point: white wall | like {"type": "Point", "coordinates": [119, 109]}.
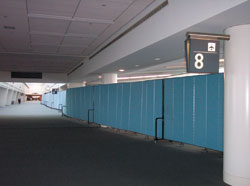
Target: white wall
{"type": "Point", "coordinates": [3, 96]}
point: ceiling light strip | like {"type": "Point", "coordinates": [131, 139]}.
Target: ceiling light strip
{"type": "Point", "coordinates": [143, 77]}
{"type": "Point", "coordinates": [51, 45]}
{"type": "Point", "coordinates": [65, 18]}
{"type": "Point", "coordinates": [63, 35]}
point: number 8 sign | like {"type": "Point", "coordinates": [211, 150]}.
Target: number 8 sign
{"type": "Point", "coordinates": [198, 64]}
{"type": "Point", "coordinates": [202, 56]}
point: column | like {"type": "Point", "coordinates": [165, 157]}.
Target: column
{"type": "Point", "coordinates": [14, 97]}
{"type": "Point", "coordinates": [236, 170]}
{"type": "Point", "coordinates": [3, 96]}
{"type": "Point", "coordinates": [9, 96]}
{"type": "Point", "coordinates": [109, 78]}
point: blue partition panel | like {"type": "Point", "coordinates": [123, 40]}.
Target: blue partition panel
{"type": "Point", "coordinates": [194, 110]}
{"type": "Point", "coordinates": [129, 106]}
{"type": "Point", "coordinates": [79, 101]}
{"type": "Point", "coordinates": [193, 107]}
{"type": "Point", "coordinates": [54, 100]}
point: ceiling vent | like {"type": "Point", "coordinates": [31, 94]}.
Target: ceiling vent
{"type": "Point", "coordinates": [9, 27]}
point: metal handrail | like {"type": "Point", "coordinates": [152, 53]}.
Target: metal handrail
{"type": "Point", "coordinates": [156, 119]}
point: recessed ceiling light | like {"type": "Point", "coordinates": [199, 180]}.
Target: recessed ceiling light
{"type": "Point", "coordinates": [100, 77]}
{"type": "Point", "coordinates": [121, 70]}
{"type": "Point", "coordinates": [157, 59]}
{"type": "Point", "coordinates": [221, 60]}
{"type": "Point", "coordinates": [137, 65]}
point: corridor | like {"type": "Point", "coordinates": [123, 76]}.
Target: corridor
{"type": "Point", "coordinates": [38, 147]}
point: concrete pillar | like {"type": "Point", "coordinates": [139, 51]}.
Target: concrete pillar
{"type": "Point", "coordinates": [3, 96]}
{"type": "Point", "coordinates": [109, 78]}
{"type": "Point", "coordinates": [236, 170]}
{"type": "Point", "coordinates": [9, 96]}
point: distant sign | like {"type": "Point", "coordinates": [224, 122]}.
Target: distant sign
{"type": "Point", "coordinates": [54, 91]}
{"type": "Point", "coordinates": [202, 56]}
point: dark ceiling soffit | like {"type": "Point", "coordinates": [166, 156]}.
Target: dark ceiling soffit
{"type": "Point", "coordinates": [74, 69]}
{"type": "Point", "coordinates": [150, 14]}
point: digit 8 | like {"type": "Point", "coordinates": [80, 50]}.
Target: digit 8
{"type": "Point", "coordinates": [198, 64]}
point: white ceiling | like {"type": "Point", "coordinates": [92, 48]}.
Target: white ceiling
{"type": "Point", "coordinates": [171, 50]}
{"type": "Point", "coordinates": [55, 35]}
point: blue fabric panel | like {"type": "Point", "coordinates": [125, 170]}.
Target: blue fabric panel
{"type": "Point", "coordinates": [97, 104]}
{"type": "Point", "coordinates": [119, 105]}
{"type": "Point", "coordinates": [125, 105]}
{"type": "Point", "coordinates": [200, 110]}
{"type": "Point", "coordinates": [88, 102]}
{"type": "Point", "coordinates": [129, 106]}
{"type": "Point", "coordinates": [54, 100]}
{"type": "Point", "coordinates": [78, 103]}
{"type": "Point", "coordinates": [188, 116]}
{"type": "Point", "coordinates": [112, 105]}
{"type": "Point", "coordinates": [178, 109]}
{"type": "Point", "coordinates": [193, 107]}
{"type": "Point", "coordinates": [169, 108]}
{"type": "Point", "coordinates": [220, 112]}
{"type": "Point", "coordinates": [158, 105]}
{"type": "Point", "coordinates": [68, 102]}
{"type": "Point", "coordinates": [214, 124]}
{"type": "Point", "coordinates": [135, 102]}
{"type": "Point", "coordinates": [194, 110]}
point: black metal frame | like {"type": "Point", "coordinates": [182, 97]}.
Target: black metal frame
{"type": "Point", "coordinates": [162, 117]}
{"type": "Point", "coordinates": [156, 119]}
{"type": "Point", "coordinates": [89, 112]}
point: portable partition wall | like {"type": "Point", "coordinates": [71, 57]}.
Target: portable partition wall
{"type": "Point", "coordinates": [193, 107]}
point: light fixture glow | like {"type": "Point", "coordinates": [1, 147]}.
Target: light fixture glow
{"type": "Point", "coordinates": [100, 77]}
{"type": "Point", "coordinates": [143, 77]}
{"type": "Point", "coordinates": [121, 70]}
{"type": "Point", "coordinates": [137, 65]}
{"type": "Point", "coordinates": [221, 60]}
{"type": "Point", "coordinates": [157, 59]}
